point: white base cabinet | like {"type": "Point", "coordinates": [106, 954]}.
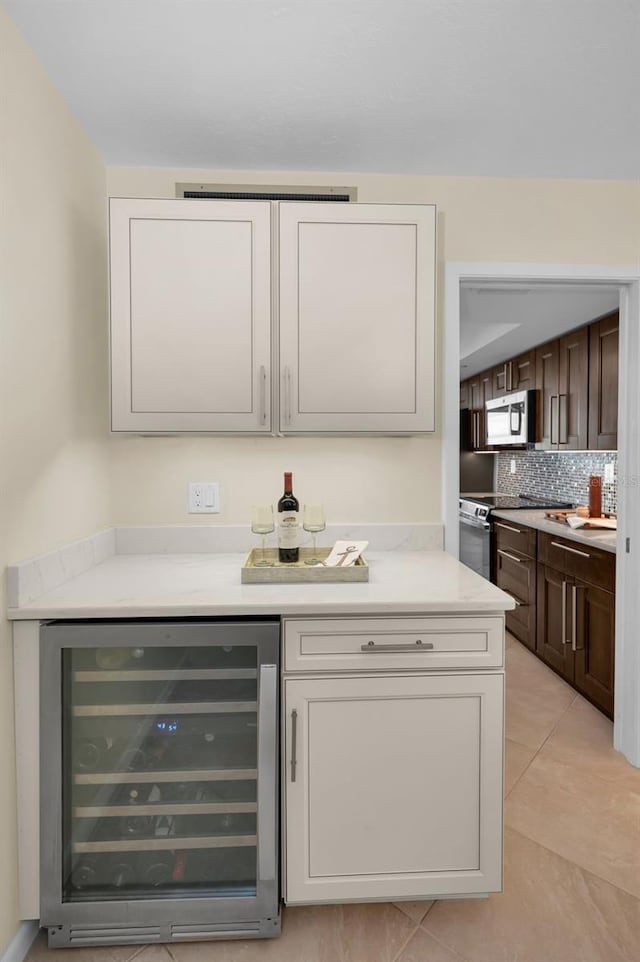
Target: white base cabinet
{"type": "Point", "coordinates": [392, 785]}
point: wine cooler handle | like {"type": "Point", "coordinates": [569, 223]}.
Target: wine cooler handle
{"type": "Point", "coordinates": [267, 758]}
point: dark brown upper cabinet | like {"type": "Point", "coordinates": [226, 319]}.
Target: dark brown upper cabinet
{"type": "Point", "coordinates": [547, 381]}
{"type": "Point", "coordinates": [562, 376]}
{"type": "Point", "coordinates": [573, 390]}
{"type": "Point", "coordinates": [464, 394]}
{"type": "Point", "coordinates": [523, 372]}
{"type": "Point", "coordinates": [603, 383]}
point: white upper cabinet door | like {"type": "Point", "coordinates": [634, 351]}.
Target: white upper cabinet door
{"type": "Point", "coordinates": [190, 316]}
{"type": "Point", "coordinates": [357, 318]}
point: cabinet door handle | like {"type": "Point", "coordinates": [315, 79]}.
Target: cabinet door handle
{"type": "Point", "coordinates": [564, 547]}
{"type": "Point", "coordinates": [511, 375]}
{"type": "Point", "coordinates": [554, 420]}
{"type": "Point", "coordinates": [565, 640]}
{"type": "Point", "coordinates": [418, 645]}
{"type": "Point", "coordinates": [287, 394]}
{"type": "Point", "coordinates": [574, 617]}
{"type": "Point", "coordinates": [294, 737]}
{"type": "Point", "coordinates": [505, 376]}
{"type": "Point", "coordinates": [512, 557]}
{"type": "Point", "coordinates": [263, 395]}
{"type": "Point", "coordinates": [507, 527]}
{"type": "Point", "coordinates": [563, 420]}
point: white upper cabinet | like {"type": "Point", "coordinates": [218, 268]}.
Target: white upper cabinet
{"type": "Point", "coordinates": [190, 316]}
{"type": "Point", "coordinates": [357, 318]}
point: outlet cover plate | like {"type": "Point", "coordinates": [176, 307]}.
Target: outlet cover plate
{"type": "Point", "coordinates": [204, 497]}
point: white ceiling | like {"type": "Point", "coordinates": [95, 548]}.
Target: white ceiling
{"type": "Point", "coordinates": [486, 87]}
{"type": "Point", "coordinates": [499, 322]}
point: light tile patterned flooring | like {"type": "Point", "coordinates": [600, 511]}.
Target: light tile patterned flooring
{"type": "Point", "coordinates": [572, 862]}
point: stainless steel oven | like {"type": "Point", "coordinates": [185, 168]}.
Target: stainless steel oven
{"type": "Point", "coordinates": [475, 538]}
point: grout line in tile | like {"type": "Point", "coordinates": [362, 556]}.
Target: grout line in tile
{"type": "Point", "coordinates": [407, 940]}
{"type": "Point", "coordinates": [570, 861]}
{"type": "Point", "coordinates": [137, 952]}
{"type": "Point", "coordinates": [449, 948]}
{"type": "Point", "coordinates": [435, 902]}
{"type": "Point", "coordinates": [171, 955]}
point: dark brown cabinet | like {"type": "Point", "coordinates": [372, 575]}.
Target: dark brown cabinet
{"type": "Point", "coordinates": [464, 394]}
{"type": "Point", "coordinates": [573, 390]}
{"type": "Point", "coordinates": [547, 374]}
{"type": "Point", "coordinates": [523, 372]}
{"type": "Point", "coordinates": [603, 383]}
{"type": "Point", "coordinates": [575, 622]}
{"type": "Point", "coordinates": [562, 376]}
{"type": "Point", "coordinates": [515, 572]}
{"type": "Point", "coordinates": [480, 389]}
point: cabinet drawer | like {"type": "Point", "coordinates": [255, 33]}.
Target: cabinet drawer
{"type": "Point", "coordinates": [375, 644]}
{"type": "Point", "coordinates": [592, 565]}
{"type": "Point", "coordinates": [512, 534]}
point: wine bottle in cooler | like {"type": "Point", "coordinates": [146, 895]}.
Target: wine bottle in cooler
{"type": "Point", "coordinates": [288, 523]}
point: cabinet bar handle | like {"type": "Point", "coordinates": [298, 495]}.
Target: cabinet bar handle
{"type": "Point", "coordinates": [574, 618]}
{"type": "Point", "coordinates": [565, 640]}
{"type": "Point", "coordinates": [508, 527]}
{"type": "Point", "coordinates": [263, 395]}
{"type": "Point", "coordinates": [564, 547]}
{"type": "Point", "coordinates": [294, 736]}
{"type": "Point", "coordinates": [563, 421]}
{"type": "Point", "coordinates": [512, 557]}
{"type": "Point", "coordinates": [511, 375]}
{"type": "Point", "coordinates": [554, 421]}
{"type": "Point", "coordinates": [419, 645]}
{"type": "Point", "coordinates": [506, 376]}
{"type": "Point", "coordinates": [287, 394]}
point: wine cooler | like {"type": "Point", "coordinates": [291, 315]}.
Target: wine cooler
{"type": "Point", "coordinates": [159, 788]}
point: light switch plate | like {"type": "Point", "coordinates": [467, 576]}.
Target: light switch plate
{"type": "Point", "coordinates": [204, 497]}
{"type": "Point", "coordinates": [513, 465]}
{"type": "Point", "coordinates": [609, 472]}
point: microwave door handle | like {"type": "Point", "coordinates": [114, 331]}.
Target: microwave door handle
{"type": "Point", "coordinates": [515, 412]}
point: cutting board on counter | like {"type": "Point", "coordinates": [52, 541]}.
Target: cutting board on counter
{"type": "Point", "coordinates": [608, 524]}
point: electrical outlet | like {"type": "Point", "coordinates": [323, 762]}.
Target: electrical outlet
{"type": "Point", "coordinates": [513, 465]}
{"type": "Point", "coordinates": [204, 497]}
{"type": "Point", "coordinates": [609, 472]}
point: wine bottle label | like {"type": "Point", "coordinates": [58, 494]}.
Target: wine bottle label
{"type": "Point", "coordinates": [288, 529]}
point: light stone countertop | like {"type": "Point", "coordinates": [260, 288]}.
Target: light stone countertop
{"type": "Point", "coordinates": [606, 540]}
{"type": "Point", "coordinates": [165, 585]}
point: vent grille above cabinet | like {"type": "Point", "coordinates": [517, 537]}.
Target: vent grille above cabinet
{"type": "Point", "coordinates": [265, 192]}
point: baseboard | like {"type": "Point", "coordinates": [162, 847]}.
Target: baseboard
{"type": "Point", "coordinates": [22, 941]}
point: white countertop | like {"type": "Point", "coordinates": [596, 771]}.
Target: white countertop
{"type": "Point", "coordinates": [606, 540]}
{"type": "Point", "coordinates": [165, 585]}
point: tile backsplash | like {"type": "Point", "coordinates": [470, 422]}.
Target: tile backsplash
{"type": "Point", "coordinates": [552, 475]}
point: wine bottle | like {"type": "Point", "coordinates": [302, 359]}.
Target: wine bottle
{"type": "Point", "coordinates": [288, 523]}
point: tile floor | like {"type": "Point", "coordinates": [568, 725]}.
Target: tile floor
{"type": "Point", "coordinates": [572, 862]}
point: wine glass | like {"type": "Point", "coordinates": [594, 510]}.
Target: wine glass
{"type": "Point", "coordinates": [262, 524]}
{"type": "Point", "coordinates": [313, 522]}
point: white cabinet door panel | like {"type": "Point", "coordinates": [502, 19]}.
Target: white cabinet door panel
{"type": "Point", "coordinates": [397, 788]}
{"type": "Point", "coordinates": [357, 286]}
{"type": "Point", "coordinates": [191, 320]}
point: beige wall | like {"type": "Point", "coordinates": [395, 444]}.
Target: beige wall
{"type": "Point", "coordinates": [377, 479]}
{"type": "Point", "coordinates": [53, 344]}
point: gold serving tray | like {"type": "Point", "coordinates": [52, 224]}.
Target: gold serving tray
{"type": "Point", "coordinates": [298, 572]}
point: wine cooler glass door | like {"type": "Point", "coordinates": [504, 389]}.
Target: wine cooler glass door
{"type": "Point", "coordinates": [166, 751]}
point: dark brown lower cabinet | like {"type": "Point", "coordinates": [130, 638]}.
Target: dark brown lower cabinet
{"type": "Point", "coordinates": [516, 575]}
{"type": "Point", "coordinates": [553, 642]}
{"type": "Point", "coordinates": [594, 616]}
{"type": "Point", "coordinates": [575, 633]}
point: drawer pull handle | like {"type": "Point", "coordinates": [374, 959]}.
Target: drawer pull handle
{"type": "Point", "coordinates": [511, 556]}
{"type": "Point", "coordinates": [508, 527]}
{"type": "Point", "coordinates": [564, 547]}
{"type": "Point", "coordinates": [419, 645]}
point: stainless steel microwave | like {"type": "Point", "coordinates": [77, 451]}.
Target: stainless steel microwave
{"type": "Point", "coordinates": [511, 420]}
